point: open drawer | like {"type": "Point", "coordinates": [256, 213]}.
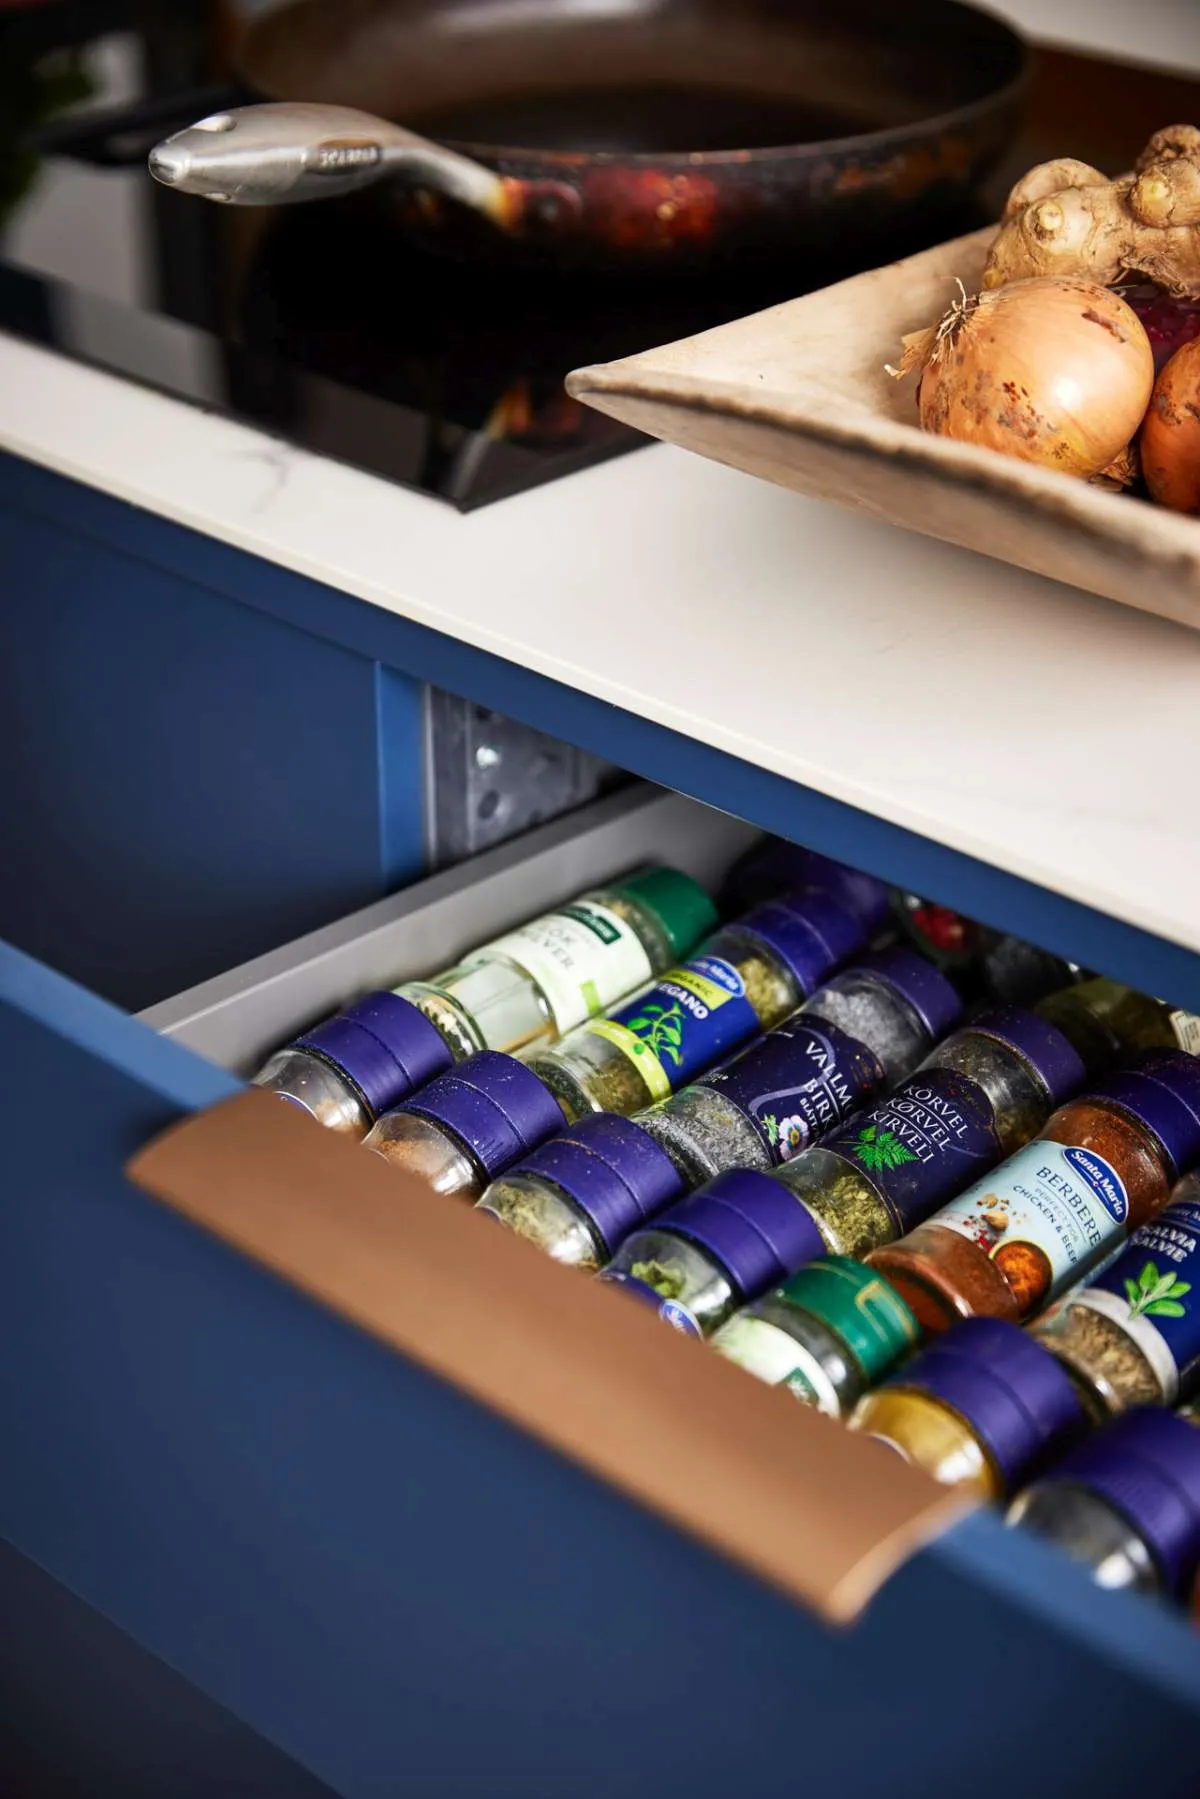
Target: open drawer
{"type": "Point", "coordinates": [437, 1517]}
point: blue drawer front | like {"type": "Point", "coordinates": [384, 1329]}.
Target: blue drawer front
{"type": "Point", "coordinates": [404, 1593]}
{"type": "Point", "coordinates": [86, 1711]}
{"type": "Point", "coordinates": [152, 730]}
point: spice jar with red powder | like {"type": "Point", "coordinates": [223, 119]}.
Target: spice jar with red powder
{"type": "Point", "coordinates": [1105, 1163]}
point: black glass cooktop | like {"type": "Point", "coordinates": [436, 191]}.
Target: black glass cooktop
{"type": "Point", "coordinates": [311, 322]}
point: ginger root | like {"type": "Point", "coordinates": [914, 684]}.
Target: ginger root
{"type": "Point", "coordinates": [1146, 224]}
{"type": "Point", "coordinates": [1047, 178]}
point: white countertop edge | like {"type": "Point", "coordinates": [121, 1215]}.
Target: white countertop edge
{"type": "Point", "coordinates": [654, 547]}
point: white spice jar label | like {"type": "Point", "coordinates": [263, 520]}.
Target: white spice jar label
{"type": "Point", "coordinates": [1186, 1026]}
{"type": "Point", "coordinates": [1046, 1217]}
{"type": "Point", "coordinates": [584, 958]}
{"type": "Point", "coordinates": [762, 1349]}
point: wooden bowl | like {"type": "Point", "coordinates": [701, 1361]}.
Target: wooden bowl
{"type": "Point", "coordinates": [798, 395]}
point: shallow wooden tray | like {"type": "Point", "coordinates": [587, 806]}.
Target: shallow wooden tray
{"type": "Point", "coordinates": [798, 395]}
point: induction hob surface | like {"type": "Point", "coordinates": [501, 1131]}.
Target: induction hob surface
{"type": "Point", "coordinates": [308, 322]}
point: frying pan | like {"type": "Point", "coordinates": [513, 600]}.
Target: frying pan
{"type": "Point", "coordinates": [617, 134]}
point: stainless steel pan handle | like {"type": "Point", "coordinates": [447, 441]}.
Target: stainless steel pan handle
{"type": "Point", "coordinates": [276, 154]}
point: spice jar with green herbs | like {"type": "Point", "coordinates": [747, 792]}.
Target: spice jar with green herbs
{"type": "Point", "coordinates": [827, 1334]}
{"type": "Point", "coordinates": [530, 987]}
{"type": "Point", "coordinates": [1125, 1503]}
{"type": "Point", "coordinates": [351, 1068]}
{"type": "Point", "coordinates": [459, 1132]}
{"type": "Point", "coordinates": [982, 1093]}
{"type": "Point", "coordinates": [1132, 1336]}
{"type": "Point", "coordinates": [859, 1033]}
{"type": "Point", "coordinates": [981, 1408]}
{"type": "Point", "coordinates": [1104, 1164]}
{"type": "Point", "coordinates": [708, 1255]}
{"type": "Point", "coordinates": [580, 1194]}
{"type": "Point", "coordinates": [1108, 1022]}
{"type": "Point", "coordinates": [749, 976]}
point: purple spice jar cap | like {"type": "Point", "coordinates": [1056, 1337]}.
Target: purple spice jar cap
{"type": "Point", "coordinates": [494, 1105]}
{"type": "Point", "coordinates": [810, 932]}
{"type": "Point", "coordinates": [1048, 1052]}
{"type": "Point", "coordinates": [1146, 1464]}
{"type": "Point", "coordinates": [383, 1044]}
{"type": "Point", "coordinates": [869, 898]}
{"type": "Point", "coordinates": [1015, 1396]}
{"type": "Point", "coordinates": [1162, 1089]}
{"type": "Point", "coordinates": [926, 989]}
{"type": "Point", "coordinates": [752, 1225]}
{"type": "Point", "coordinates": [612, 1169]}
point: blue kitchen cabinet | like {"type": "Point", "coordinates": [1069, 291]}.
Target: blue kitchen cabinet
{"type": "Point", "coordinates": [289, 1529]}
{"type": "Point", "coordinates": [186, 779]}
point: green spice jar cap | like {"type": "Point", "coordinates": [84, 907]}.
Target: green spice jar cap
{"type": "Point", "coordinates": [864, 1311]}
{"type": "Point", "coordinates": [682, 907]}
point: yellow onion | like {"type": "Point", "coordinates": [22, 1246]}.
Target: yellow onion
{"type": "Point", "coordinates": [1053, 370]}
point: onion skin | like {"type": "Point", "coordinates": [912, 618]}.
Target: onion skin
{"type": "Point", "coordinates": [1054, 371]}
{"type": "Point", "coordinates": [1171, 433]}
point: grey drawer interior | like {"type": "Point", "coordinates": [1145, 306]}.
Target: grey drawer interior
{"type": "Point", "coordinates": [240, 1017]}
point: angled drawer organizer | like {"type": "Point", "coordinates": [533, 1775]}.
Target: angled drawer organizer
{"type": "Point", "coordinates": [436, 1517]}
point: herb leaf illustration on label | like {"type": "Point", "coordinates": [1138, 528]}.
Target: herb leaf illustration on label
{"type": "Point", "coordinates": [881, 1149]}
{"type": "Point", "coordinates": [1156, 1295]}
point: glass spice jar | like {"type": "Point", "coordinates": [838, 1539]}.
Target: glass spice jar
{"type": "Point", "coordinates": [830, 1332]}
{"type": "Point", "coordinates": [862, 1031]}
{"type": "Point", "coordinates": [581, 1193]}
{"type": "Point", "coordinates": [1104, 1164]}
{"type": "Point", "coordinates": [982, 1093]}
{"type": "Point", "coordinates": [1132, 1335]}
{"type": "Point", "coordinates": [1125, 1503]}
{"type": "Point", "coordinates": [351, 1068]}
{"type": "Point", "coordinates": [750, 976]}
{"type": "Point", "coordinates": [530, 987]}
{"type": "Point", "coordinates": [708, 1255]}
{"type": "Point", "coordinates": [985, 963]}
{"type": "Point", "coordinates": [978, 1409]}
{"type": "Point", "coordinates": [464, 1128]}
{"type": "Point", "coordinates": [1108, 1022]}
{"type": "Point", "coordinates": [775, 866]}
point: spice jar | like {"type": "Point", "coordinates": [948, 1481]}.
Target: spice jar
{"type": "Point", "coordinates": [709, 1254]}
{"type": "Point", "coordinates": [750, 976]}
{"type": "Point", "coordinates": [862, 1031]}
{"type": "Point", "coordinates": [532, 986]}
{"type": "Point", "coordinates": [1108, 1022]}
{"type": "Point", "coordinates": [1012, 1242]}
{"type": "Point", "coordinates": [983, 1092]}
{"type": "Point", "coordinates": [1126, 1503]}
{"type": "Point", "coordinates": [349, 1069]}
{"type": "Point", "coordinates": [775, 866]}
{"type": "Point", "coordinates": [978, 1409]}
{"type": "Point", "coordinates": [463, 1129]}
{"type": "Point", "coordinates": [582, 1192]}
{"type": "Point", "coordinates": [1132, 1336]}
{"type": "Point", "coordinates": [986, 964]}
{"type": "Point", "coordinates": [827, 1334]}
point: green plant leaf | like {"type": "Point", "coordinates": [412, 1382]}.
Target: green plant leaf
{"type": "Point", "coordinates": [867, 1135]}
{"type": "Point", "coordinates": [1132, 1292]}
{"type": "Point", "coordinates": [1179, 1289]}
{"type": "Point", "coordinates": [1165, 1308]}
{"type": "Point", "coordinates": [668, 1049]}
{"type": "Point", "coordinates": [772, 1126]}
{"type": "Point", "coordinates": [638, 1024]}
{"type": "Point", "coordinates": [1148, 1277]}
